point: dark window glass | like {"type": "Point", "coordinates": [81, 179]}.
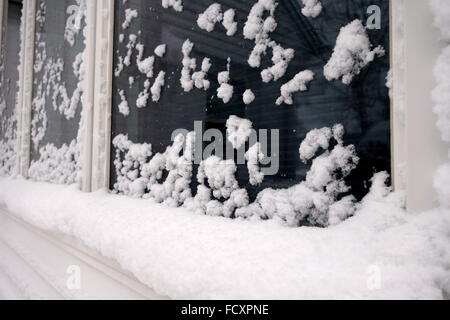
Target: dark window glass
{"type": "Point", "coordinates": [56, 108]}
{"type": "Point", "coordinates": [9, 76]}
{"type": "Point", "coordinates": [363, 107]}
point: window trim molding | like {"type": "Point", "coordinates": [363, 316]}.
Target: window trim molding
{"type": "Point", "coordinates": [97, 101]}
{"type": "Point", "coordinates": [89, 57]}
{"type": "Point", "coordinates": [103, 95]}
{"type": "Point", "coordinates": [398, 98]}
{"type": "Point", "coordinates": [2, 5]}
{"type": "Point", "coordinates": [25, 96]}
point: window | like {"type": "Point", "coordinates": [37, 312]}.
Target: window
{"type": "Point", "coordinates": [9, 77]}
{"type": "Point", "coordinates": [362, 107]}
{"type": "Point", "coordinates": [202, 69]}
{"type": "Point", "coordinates": [57, 91]}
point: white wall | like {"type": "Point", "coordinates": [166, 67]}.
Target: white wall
{"type": "Point", "coordinates": [425, 149]}
{"type": "Point", "coordinates": [38, 265]}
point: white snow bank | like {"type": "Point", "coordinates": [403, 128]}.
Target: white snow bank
{"type": "Point", "coordinates": [382, 252]}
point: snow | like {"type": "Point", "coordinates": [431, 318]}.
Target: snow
{"type": "Point", "coordinates": [441, 183]}
{"type": "Point", "coordinates": [135, 157]}
{"type": "Point", "coordinates": [139, 175]}
{"type": "Point", "coordinates": [353, 52]}
{"type": "Point", "coordinates": [229, 22]}
{"type": "Point", "coordinates": [143, 96]}
{"type": "Point", "coordinates": [132, 38]}
{"type": "Point", "coordinates": [254, 156]}
{"type": "Point", "coordinates": [441, 12]}
{"type": "Point", "coordinates": [57, 165]}
{"type": "Point", "coordinates": [160, 50]}
{"type": "Point", "coordinates": [255, 27]}
{"type": "Point", "coordinates": [77, 13]}
{"type": "Point", "coordinates": [281, 58]}
{"type": "Point", "coordinates": [145, 66]}
{"type": "Point", "coordinates": [131, 81]}
{"type": "Point", "coordinates": [441, 98]}
{"type": "Point", "coordinates": [8, 145]}
{"type": "Point", "coordinates": [129, 16]}
{"type": "Point", "coordinates": [123, 105]}
{"type": "Point", "coordinates": [220, 175]}
{"type": "Point", "coordinates": [208, 19]}
{"type": "Point", "coordinates": [258, 29]}
{"type": "Point", "coordinates": [199, 77]}
{"type": "Point", "coordinates": [175, 190]}
{"type": "Point", "coordinates": [248, 96]}
{"type": "Point", "coordinates": [189, 64]}
{"type": "Point", "coordinates": [238, 131]}
{"type": "Point", "coordinates": [190, 77]}
{"type": "Point", "coordinates": [177, 5]}
{"type": "Point", "coordinates": [225, 91]}
{"type": "Point", "coordinates": [410, 252]}
{"type": "Point", "coordinates": [321, 199]}
{"type": "Point", "coordinates": [157, 86]}
{"type": "Point", "coordinates": [312, 8]}
{"type": "Point", "coordinates": [298, 83]}
{"type": "Point", "coordinates": [213, 15]}
{"type": "Point", "coordinates": [320, 139]}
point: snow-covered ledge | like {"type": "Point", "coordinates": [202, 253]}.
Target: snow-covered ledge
{"type": "Point", "coordinates": [45, 265]}
{"type": "Point", "coordinates": [382, 252]}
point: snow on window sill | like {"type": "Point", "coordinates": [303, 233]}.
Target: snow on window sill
{"type": "Point", "coordinates": [382, 252]}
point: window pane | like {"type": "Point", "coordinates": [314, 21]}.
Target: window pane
{"type": "Point", "coordinates": [9, 76]}
{"type": "Point", "coordinates": [362, 107]}
{"type": "Point", "coordinates": [56, 108]}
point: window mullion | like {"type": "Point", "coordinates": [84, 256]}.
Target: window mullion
{"type": "Point", "coordinates": [103, 95]}
{"type": "Point", "coordinates": [25, 96]}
